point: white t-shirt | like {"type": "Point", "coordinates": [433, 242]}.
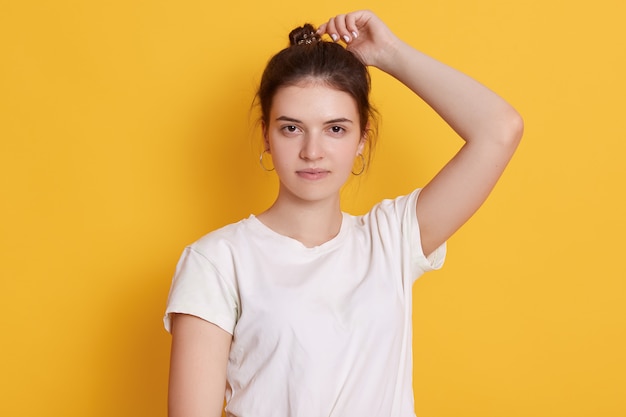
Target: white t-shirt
{"type": "Point", "coordinates": [320, 332]}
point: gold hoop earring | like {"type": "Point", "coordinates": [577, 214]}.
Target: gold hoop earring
{"type": "Point", "coordinates": [263, 165]}
{"type": "Point", "coordinates": [363, 164]}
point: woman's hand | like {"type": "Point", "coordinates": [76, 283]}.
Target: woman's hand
{"type": "Point", "coordinates": [365, 35]}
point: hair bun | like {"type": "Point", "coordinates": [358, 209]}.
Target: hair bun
{"type": "Point", "coordinates": [304, 35]}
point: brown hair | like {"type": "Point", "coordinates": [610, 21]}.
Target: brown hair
{"type": "Point", "coordinates": [310, 57]}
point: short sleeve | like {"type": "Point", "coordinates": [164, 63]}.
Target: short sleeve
{"type": "Point", "coordinates": [395, 222]}
{"type": "Point", "coordinates": [411, 226]}
{"type": "Point", "coordinates": [198, 289]}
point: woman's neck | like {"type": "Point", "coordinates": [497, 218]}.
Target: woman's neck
{"type": "Point", "coordinates": [311, 223]}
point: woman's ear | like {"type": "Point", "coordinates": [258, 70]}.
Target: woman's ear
{"type": "Point", "coordinates": [364, 137]}
{"type": "Point", "coordinates": [266, 140]}
{"type": "Point", "coordinates": [359, 149]}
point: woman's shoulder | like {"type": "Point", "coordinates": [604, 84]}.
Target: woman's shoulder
{"type": "Point", "coordinates": [225, 237]}
{"type": "Point", "coordinates": [392, 206]}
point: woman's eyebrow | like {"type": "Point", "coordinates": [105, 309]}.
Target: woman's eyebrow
{"type": "Point", "coordinates": [292, 120]}
{"type": "Point", "coordinates": [339, 120]}
{"type": "Point", "coordinates": [288, 119]}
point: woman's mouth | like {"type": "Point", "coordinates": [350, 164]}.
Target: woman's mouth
{"type": "Point", "coordinates": [313, 173]}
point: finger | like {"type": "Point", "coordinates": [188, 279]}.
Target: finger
{"type": "Point", "coordinates": [321, 29]}
{"type": "Point", "coordinates": [351, 25]}
{"type": "Point", "coordinates": [342, 30]}
{"type": "Point", "coordinates": [330, 28]}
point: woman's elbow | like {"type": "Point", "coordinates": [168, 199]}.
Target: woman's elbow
{"type": "Point", "coordinates": [513, 128]}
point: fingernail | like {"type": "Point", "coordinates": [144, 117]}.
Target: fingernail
{"type": "Point", "coordinates": [346, 38]}
{"type": "Point", "coordinates": [355, 35]}
{"type": "Point", "coordinates": [335, 37]}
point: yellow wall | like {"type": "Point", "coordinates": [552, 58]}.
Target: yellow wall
{"type": "Point", "coordinates": [125, 134]}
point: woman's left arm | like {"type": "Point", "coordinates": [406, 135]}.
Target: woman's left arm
{"type": "Point", "coordinates": [490, 127]}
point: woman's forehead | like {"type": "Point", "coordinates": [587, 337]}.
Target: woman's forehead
{"type": "Point", "coordinates": [312, 101]}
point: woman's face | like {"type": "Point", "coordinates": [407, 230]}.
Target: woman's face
{"type": "Point", "coordinates": [313, 134]}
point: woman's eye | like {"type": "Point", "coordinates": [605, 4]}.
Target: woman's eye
{"type": "Point", "coordinates": [290, 129]}
{"type": "Point", "coordinates": [337, 129]}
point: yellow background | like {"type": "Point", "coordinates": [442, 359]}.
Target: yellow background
{"type": "Point", "coordinates": [126, 133]}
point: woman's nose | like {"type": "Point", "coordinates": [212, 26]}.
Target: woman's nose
{"type": "Point", "coordinates": [312, 148]}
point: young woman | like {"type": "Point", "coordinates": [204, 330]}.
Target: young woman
{"type": "Point", "coordinates": [305, 310]}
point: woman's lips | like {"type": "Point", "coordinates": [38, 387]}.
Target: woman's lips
{"type": "Point", "coordinates": [313, 173]}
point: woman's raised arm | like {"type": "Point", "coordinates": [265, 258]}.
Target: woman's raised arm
{"type": "Point", "coordinates": [490, 127]}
